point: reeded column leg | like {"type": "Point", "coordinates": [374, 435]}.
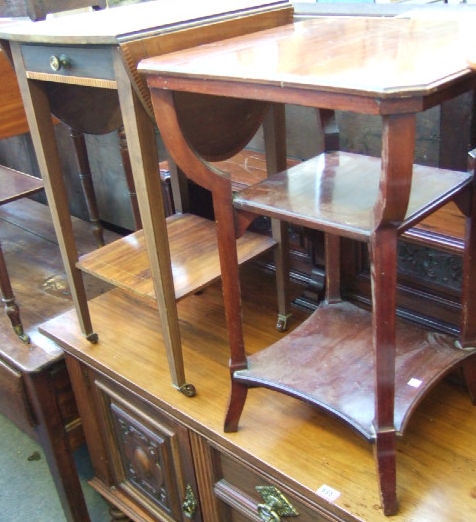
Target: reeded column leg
{"type": "Point", "coordinates": [86, 179]}
{"type": "Point", "coordinates": [11, 308]}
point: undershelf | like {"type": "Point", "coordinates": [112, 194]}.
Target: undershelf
{"type": "Point", "coordinates": [194, 257]}
{"type": "Point", "coordinates": [328, 361]}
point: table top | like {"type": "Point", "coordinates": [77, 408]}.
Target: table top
{"type": "Point", "coordinates": [122, 23]}
{"type": "Point", "coordinates": [379, 57]}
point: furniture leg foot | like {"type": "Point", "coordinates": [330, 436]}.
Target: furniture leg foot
{"type": "Point", "coordinates": [92, 338]}
{"type": "Point", "coordinates": [188, 390]}
{"type": "Point", "coordinates": [235, 406]}
{"type": "Point", "coordinates": [11, 308]}
{"type": "Point", "coordinates": [385, 458]}
{"type": "Point", "coordinates": [282, 322]}
{"type": "Point", "coordinates": [18, 329]}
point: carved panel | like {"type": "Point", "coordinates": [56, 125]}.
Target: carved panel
{"type": "Point", "coordinates": [430, 266]}
{"type": "Point", "coordinates": [146, 458]}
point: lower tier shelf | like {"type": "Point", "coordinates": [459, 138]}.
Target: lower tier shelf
{"type": "Point", "coordinates": [193, 251]}
{"type": "Point", "coordinates": [328, 361]}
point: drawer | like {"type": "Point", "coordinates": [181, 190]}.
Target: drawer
{"type": "Point", "coordinates": [151, 459]}
{"type": "Point", "coordinates": [13, 399]}
{"type": "Point", "coordinates": [252, 497]}
{"type": "Point", "coordinates": [92, 62]}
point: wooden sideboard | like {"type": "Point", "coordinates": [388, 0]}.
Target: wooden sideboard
{"type": "Point", "coordinates": [148, 443]}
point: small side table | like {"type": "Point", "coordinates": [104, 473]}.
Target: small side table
{"type": "Point", "coordinates": [364, 367]}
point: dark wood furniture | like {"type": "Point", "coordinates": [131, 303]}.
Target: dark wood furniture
{"type": "Point", "coordinates": [364, 367]}
{"type": "Point", "coordinates": [35, 390]}
{"type": "Point", "coordinates": [14, 185]}
{"type": "Point", "coordinates": [80, 66]}
{"type": "Point", "coordinates": [149, 442]}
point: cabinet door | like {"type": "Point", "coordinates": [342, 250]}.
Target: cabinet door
{"type": "Point", "coordinates": [150, 455]}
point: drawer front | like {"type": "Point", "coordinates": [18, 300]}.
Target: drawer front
{"type": "Point", "coordinates": [251, 497]}
{"type": "Point", "coordinates": [13, 399]}
{"type": "Point", "coordinates": [150, 456]}
{"type": "Point", "coordinates": [93, 62]}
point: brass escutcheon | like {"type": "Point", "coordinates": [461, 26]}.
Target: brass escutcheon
{"type": "Point", "coordinates": [275, 506]}
{"type": "Point", "coordinates": [189, 505]}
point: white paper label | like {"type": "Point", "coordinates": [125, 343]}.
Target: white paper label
{"type": "Point", "coordinates": [328, 493]}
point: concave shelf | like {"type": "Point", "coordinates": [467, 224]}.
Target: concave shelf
{"type": "Point", "coordinates": [15, 185]}
{"type": "Point", "coordinates": [328, 361]}
{"type": "Point", "coordinates": [337, 192]}
{"type": "Point", "coordinates": [193, 250]}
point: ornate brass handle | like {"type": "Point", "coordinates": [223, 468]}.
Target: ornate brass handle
{"type": "Point", "coordinates": [189, 505]}
{"type": "Point", "coordinates": [275, 506]}
{"type": "Point", "coordinates": [57, 62]}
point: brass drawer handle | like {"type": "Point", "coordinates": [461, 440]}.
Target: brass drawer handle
{"type": "Point", "coordinates": [189, 505]}
{"type": "Point", "coordinates": [275, 506]}
{"type": "Point", "coordinates": [58, 62]}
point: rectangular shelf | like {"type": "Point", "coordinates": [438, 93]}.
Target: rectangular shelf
{"type": "Point", "coordinates": [336, 192]}
{"type": "Point", "coordinates": [194, 257]}
{"type": "Point", "coordinates": [333, 351]}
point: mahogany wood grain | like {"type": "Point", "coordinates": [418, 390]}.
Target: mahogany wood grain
{"type": "Point", "coordinates": [12, 114]}
{"type": "Point", "coordinates": [327, 80]}
{"type": "Point", "coordinates": [16, 185]}
{"type": "Point", "coordinates": [335, 178]}
{"type": "Point", "coordinates": [293, 445]}
{"type": "Point", "coordinates": [193, 253]}
{"type": "Point", "coordinates": [98, 65]}
{"type": "Point", "coordinates": [376, 67]}
{"type": "Point", "coordinates": [35, 391]}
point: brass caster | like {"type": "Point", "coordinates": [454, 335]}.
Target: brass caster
{"type": "Point", "coordinates": [21, 334]}
{"type": "Point", "coordinates": [282, 324]}
{"type": "Point", "coordinates": [93, 338]}
{"type": "Point", "coordinates": [188, 390]}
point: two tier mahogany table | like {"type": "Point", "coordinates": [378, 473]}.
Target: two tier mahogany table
{"type": "Point", "coordinates": [363, 366]}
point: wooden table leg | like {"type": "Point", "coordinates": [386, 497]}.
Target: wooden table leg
{"type": "Point", "coordinates": [38, 110]}
{"type": "Point", "coordinates": [86, 179]}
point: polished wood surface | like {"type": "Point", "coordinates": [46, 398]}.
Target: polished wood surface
{"type": "Point", "coordinates": [96, 63]}
{"type": "Point", "coordinates": [12, 114]}
{"type": "Point", "coordinates": [16, 185]}
{"type": "Point", "coordinates": [335, 179]}
{"type": "Point", "coordinates": [35, 391]}
{"type": "Point", "coordinates": [124, 22]}
{"type": "Point", "coordinates": [290, 442]}
{"type": "Point", "coordinates": [13, 184]}
{"type": "Point", "coordinates": [381, 58]}
{"type": "Point", "coordinates": [193, 251]}
{"type": "Point", "coordinates": [293, 64]}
